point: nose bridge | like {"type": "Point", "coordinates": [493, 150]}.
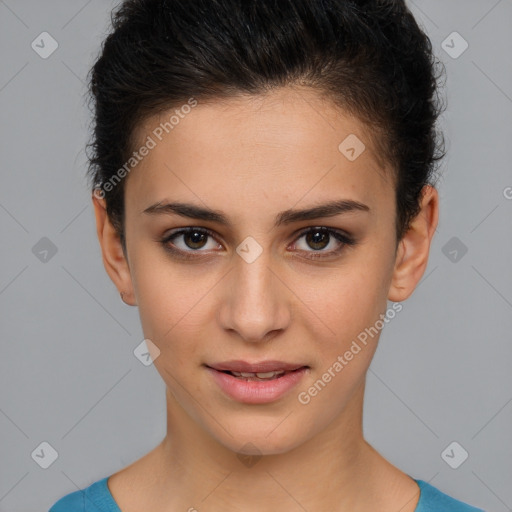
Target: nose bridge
{"type": "Point", "coordinates": [255, 302]}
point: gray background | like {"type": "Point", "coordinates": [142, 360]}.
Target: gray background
{"type": "Point", "coordinates": [68, 373]}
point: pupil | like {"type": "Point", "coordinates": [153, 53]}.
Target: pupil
{"type": "Point", "coordinates": [317, 237]}
{"type": "Point", "coordinates": [197, 237]}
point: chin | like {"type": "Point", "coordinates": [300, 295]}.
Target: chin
{"type": "Point", "coordinates": [270, 438]}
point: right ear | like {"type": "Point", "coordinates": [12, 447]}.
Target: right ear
{"type": "Point", "coordinates": [114, 259]}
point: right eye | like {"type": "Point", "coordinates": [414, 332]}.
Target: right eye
{"type": "Point", "coordinates": [193, 239]}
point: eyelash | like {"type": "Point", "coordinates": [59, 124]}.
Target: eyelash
{"type": "Point", "coordinates": [344, 239]}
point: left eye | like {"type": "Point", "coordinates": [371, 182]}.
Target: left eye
{"type": "Point", "coordinates": [317, 238]}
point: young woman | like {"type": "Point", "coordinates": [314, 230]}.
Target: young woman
{"type": "Point", "coordinates": [263, 177]}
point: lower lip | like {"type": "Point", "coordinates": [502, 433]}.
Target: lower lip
{"type": "Point", "coordinates": [256, 391]}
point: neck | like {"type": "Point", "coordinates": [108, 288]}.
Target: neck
{"type": "Point", "coordinates": [205, 472]}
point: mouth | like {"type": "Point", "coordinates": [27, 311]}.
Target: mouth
{"type": "Point", "coordinates": [239, 366]}
{"type": "Point", "coordinates": [250, 376]}
{"type": "Point", "coordinates": [256, 383]}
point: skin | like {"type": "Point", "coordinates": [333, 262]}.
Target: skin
{"type": "Point", "coordinates": [252, 158]}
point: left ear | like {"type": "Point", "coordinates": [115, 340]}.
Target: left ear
{"type": "Point", "coordinates": [413, 250]}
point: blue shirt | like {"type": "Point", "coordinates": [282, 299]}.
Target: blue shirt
{"type": "Point", "coordinates": [97, 498]}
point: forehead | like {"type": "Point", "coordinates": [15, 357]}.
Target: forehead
{"type": "Point", "coordinates": [286, 146]}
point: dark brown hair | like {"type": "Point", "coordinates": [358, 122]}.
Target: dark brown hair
{"type": "Point", "coordinates": [369, 57]}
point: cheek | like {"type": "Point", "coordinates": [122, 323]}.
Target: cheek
{"type": "Point", "coordinates": [173, 307]}
{"type": "Point", "coordinates": [352, 309]}
{"type": "Point", "coordinates": [351, 299]}
{"type": "Point", "coordinates": [164, 297]}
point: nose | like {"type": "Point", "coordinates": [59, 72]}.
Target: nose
{"type": "Point", "coordinates": [255, 301]}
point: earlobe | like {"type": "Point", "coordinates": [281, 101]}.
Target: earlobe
{"type": "Point", "coordinates": [113, 256]}
{"type": "Point", "coordinates": [413, 251]}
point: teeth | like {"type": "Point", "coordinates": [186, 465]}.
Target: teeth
{"type": "Point", "coordinates": [259, 375]}
{"type": "Point", "coordinates": [269, 375]}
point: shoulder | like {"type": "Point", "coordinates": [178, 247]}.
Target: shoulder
{"type": "Point", "coordinates": [433, 500]}
{"type": "Point", "coordinates": [95, 498]}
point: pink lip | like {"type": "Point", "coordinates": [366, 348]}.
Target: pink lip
{"type": "Point", "coordinates": [262, 366]}
{"type": "Point", "coordinates": [257, 392]}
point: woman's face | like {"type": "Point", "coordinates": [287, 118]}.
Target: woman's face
{"type": "Point", "coordinates": [257, 287]}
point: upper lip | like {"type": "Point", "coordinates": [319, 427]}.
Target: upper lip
{"type": "Point", "coordinates": [259, 367]}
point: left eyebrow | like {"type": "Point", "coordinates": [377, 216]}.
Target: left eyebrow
{"type": "Point", "coordinates": [283, 218]}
